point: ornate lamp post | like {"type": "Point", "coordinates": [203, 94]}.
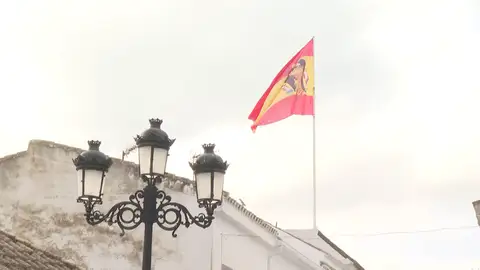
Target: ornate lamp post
{"type": "Point", "coordinates": [150, 205]}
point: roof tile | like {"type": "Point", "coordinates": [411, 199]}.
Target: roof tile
{"type": "Point", "coordinates": [16, 254]}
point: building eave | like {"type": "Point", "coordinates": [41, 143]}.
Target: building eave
{"type": "Point", "coordinates": [338, 249]}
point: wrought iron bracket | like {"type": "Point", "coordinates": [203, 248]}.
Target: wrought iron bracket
{"type": "Point", "coordinates": [128, 215]}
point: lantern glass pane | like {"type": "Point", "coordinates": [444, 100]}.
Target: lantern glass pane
{"type": "Point", "coordinates": [79, 182]}
{"type": "Point", "coordinates": [93, 183]}
{"type": "Point", "coordinates": [218, 185]}
{"type": "Point", "coordinates": [159, 160]}
{"type": "Point", "coordinates": [203, 185]}
{"type": "Point", "coordinates": [144, 159]}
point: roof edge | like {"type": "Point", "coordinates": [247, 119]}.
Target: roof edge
{"type": "Point", "coordinates": [339, 250]}
{"type": "Point", "coordinates": [46, 143]}
{"type": "Point", "coordinates": [13, 156]}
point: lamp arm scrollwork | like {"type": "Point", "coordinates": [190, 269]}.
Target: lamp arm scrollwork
{"type": "Point", "coordinates": [171, 215]}
{"type": "Point", "coordinates": [127, 215]}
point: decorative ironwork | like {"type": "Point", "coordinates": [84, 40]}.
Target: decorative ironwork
{"type": "Point", "coordinates": [117, 214]}
{"type": "Point", "coordinates": [168, 215]}
{"type": "Point", "coordinates": [180, 214]}
{"type": "Point", "coordinates": [149, 205]}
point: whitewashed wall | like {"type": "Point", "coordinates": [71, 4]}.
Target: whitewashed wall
{"type": "Point", "coordinates": [239, 248]}
{"type": "Point", "coordinates": [323, 254]}
{"type": "Point", "coordinates": [39, 204]}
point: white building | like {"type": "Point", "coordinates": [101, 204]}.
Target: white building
{"type": "Point", "coordinates": [38, 204]}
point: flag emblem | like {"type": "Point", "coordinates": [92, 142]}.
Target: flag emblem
{"type": "Point", "coordinates": [290, 93]}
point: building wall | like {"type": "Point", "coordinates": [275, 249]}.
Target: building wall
{"type": "Point", "coordinates": [329, 256]}
{"type": "Point", "coordinates": [238, 248]}
{"type": "Point", "coordinates": [38, 204]}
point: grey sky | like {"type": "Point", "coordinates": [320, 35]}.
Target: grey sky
{"type": "Point", "coordinates": [397, 93]}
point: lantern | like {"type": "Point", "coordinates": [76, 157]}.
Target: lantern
{"type": "Point", "coordinates": [92, 167]}
{"type": "Point", "coordinates": [153, 145]}
{"type": "Point", "coordinates": [209, 172]}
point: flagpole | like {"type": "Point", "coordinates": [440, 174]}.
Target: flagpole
{"type": "Point", "coordinates": [314, 147]}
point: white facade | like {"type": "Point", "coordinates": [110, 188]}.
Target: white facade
{"type": "Point", "coordinates": [39, 205]}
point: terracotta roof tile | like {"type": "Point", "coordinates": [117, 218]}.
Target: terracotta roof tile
{"type": "Point", "coordinates": [16, 254]}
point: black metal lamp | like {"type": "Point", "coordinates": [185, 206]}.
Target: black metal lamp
{"type": "Point", "coordinates": [150, 205]}
{"type": "Point", "coordinates": [92, 167]}
{"type": "Point", "coordinates": [209, 170]}
{"type": "Point", "coordinates": [153, 145]}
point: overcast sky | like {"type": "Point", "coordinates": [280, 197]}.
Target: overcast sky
{"type": "Point", "coordinates": [397, 106]}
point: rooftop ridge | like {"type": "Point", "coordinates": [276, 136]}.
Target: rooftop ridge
{"type": "Point", "coordinates": [12, 156]}
{"type": "Point", "coordinates": [71, 148]}
{"type": "Point", "coordinates": [339, 250]}
{"type": "Point", "coordinates": [56, 262]}
{"type": "Point", "coordinates": [174, 182]}
{"type": "Point", "coordinates": [328, 241]}
{"type": "Point", "coordinates": [264, 224]}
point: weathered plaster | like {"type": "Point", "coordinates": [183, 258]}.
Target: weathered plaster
{"type": "Point", "coordinates": [47, 213]}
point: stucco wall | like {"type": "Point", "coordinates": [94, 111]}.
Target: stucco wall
{"type": "Point", "coordinates": [239, 248]}
{"type": "Point", "coordinates": [39, 204]}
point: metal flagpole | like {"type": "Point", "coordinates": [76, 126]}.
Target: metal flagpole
{"type": "Point", "coordinates": [314, 173]}
{"type": "Point", "coordinates": [314, 146]}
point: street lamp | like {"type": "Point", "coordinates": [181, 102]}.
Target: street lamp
{"type": "Point", "coordinates": [150, 205]}
{"type": "Point", "coordinates": [209, 170]}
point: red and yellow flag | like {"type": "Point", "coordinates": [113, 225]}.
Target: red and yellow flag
{"type": "Point", "coordinates": [290, 93]}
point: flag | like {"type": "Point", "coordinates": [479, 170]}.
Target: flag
{"type": "Point", "coordinates": [290, 93]}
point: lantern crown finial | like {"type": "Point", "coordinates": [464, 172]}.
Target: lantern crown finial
{"type": "Point", "coordinates": [209, 161]}
{"type": "Point", "coordinates": [155, 122]}
{"type": "Point", "coordinates": [208, 148]}
{"type": "Point", "coordinates": [94, 145]}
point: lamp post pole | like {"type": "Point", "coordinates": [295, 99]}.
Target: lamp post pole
{"type": "Point", "coordinates": [150, 205]}
{"type": "Point", "coordinates": [149, 215]}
